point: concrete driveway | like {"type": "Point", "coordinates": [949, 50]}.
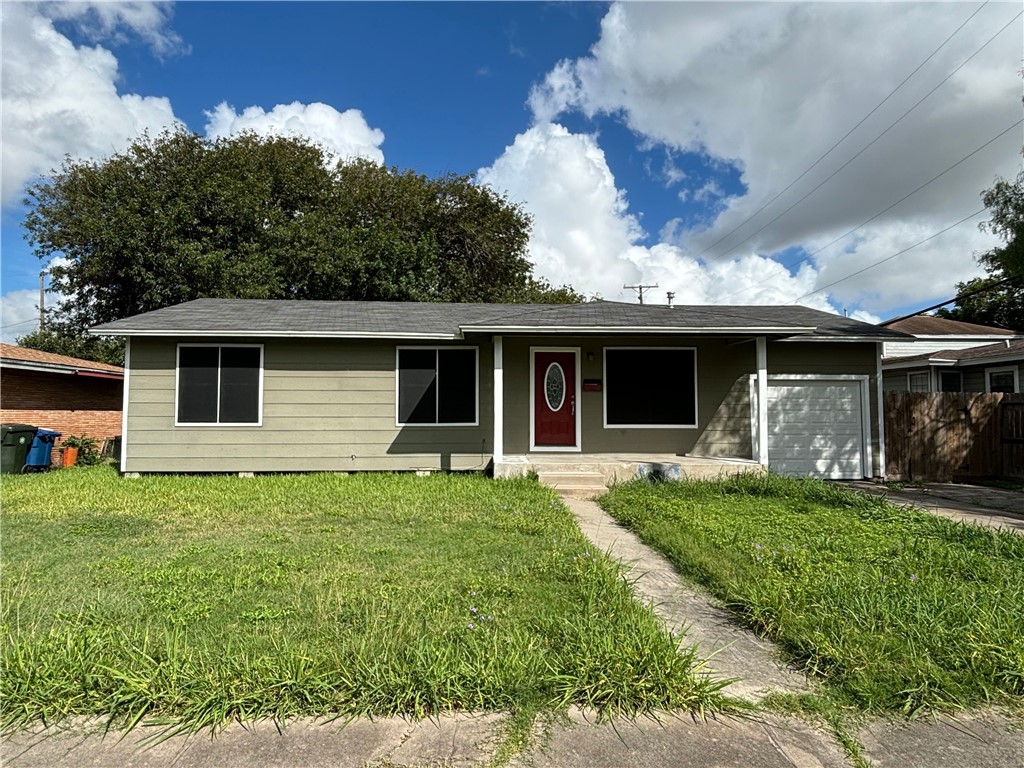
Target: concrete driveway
{"type": "Point", "coordinates": [976, 504]}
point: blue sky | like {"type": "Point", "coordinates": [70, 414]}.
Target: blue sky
{"type": "Point", "coordinates": [641, 137]}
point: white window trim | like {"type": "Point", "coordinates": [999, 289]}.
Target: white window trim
{"type": "Point", "coordinates": [1002, 369]}
{"type": "Point", "coordinates": [476, 387]}
{"type": "Point", "coordinates": [927, 373]}
{"type": "Point", "coordinates": [649, 426]}
{"type": "Point", "coordinates": [177, 391]}
{"type": "Point", "coordinates": [533, 403]}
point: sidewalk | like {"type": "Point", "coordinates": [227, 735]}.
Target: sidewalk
{"type": "Point", "coordinates": [466, 741]}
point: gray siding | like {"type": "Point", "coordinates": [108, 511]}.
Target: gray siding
{"type": "Point", "coordinates": [327, 405]}
{"type": "Point", "coordinates": [723, 399]}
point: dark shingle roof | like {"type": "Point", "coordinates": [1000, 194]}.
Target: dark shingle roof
{"type": "Point", "coordinates": [435, 320]}
{"type": "Point", "coordinates": [967, 356]}
{"type": "Point", "coordinates": [929, 325]}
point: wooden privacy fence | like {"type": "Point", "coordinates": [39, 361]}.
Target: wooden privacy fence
{"type": "Point", "coordinates": [939, 436]}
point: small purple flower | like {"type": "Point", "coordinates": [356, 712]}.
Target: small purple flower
{"type": "Point", "coordinates": [472, 609]}
{"type": "Point", "coordinates": [913, 577]}
{"type": "Point", "coordinates": [472, 593]}
{"type": "Point", "coordinates": [470, 625]}
{"type": "Point", "coordinates": [489, 617]}
{"type": "Point", "coordinates": [758, 546]}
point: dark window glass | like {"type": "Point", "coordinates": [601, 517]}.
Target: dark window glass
{"type": "Point", "coordinates": [950, 381]}
{"type": "Point", "coordinates": [650, 386]}
{"type": "Point", "coordinates": [456, 395]}
{"type": "Point", "coordinates": [417, 386]}
{"type": "Point", "coordinates": [1000, 381]}
{"type": "Point", "coordinates": [239, 385]}
{"type": "Point", "coordinates": [197, 385]}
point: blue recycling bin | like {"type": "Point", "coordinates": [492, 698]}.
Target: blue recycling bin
{"type": "Point", "coordinates": [38, 459]}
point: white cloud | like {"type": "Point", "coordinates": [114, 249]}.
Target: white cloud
{"type": "Point", "coordinates": [60, 99]}
{"type": "Point", "coordinates": [769, 87]}
{"type": "Point", "coordinates": [19, 314]}
{"type": "Point", "coordinates": [108, 20]}
{"type": "Point", "coordinates": [343, 134]}
{"type": "Point", "coordinates": [583, 233]}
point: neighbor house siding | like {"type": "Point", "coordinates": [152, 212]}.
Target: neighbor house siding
{"type": "Point", "coordinates": [328, 405]}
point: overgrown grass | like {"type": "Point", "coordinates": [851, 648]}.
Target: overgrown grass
{"type": "Point", "coordinates": [894, 609]}
{"type": "Point", "coordinates": [197, 600]}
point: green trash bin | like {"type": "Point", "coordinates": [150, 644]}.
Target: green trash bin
{"type": "Point", "coordinates": [15, 442]}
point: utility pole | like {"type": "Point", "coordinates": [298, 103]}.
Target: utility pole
{"type": "Point", "coordinates": [42, 302]}
{"type": "Point", "coordinates": [640, 289]}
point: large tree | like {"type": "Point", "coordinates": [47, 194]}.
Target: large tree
{"type": "Point", "coordinates": [998, 298]}
{"type": "Point", "coordinates": [179, 217]}
{"type": "Point", "coordinates": [1005, 200]}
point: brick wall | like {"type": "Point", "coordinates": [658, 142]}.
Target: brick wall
{"type": "Point", "coordinates": [71, 405]}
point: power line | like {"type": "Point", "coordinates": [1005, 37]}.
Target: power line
{"type": "Point", "coordinates": [828, 152]}
{"type": "Point", "coordinates": [23, 322]}
{"type": "Point", "coordinates": [957, 299]}
{"type": "Point", "coordinates": [870, 144]}
{"type": "Point", "coordinates": [888, 258]}
{"type": "Point", "coordinates": [864, 223]}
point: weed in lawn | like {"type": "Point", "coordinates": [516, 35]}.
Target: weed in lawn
{"type": "Point", "coordinates": [313, 595]}
{"type": "Point", "coordinates": [895, 609]}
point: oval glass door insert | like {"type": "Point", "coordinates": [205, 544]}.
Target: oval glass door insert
{"type": "Point", "coordinates": [554, 387]}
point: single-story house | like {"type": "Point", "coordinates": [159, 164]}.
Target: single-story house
{"type": "Point", "coordinates": [278, 386]}
{"type": "Point", "coordinates": [934, 334]}
{"type": "Point", "coordinates": [995, 367]}
{"type": "Point", "coordinates": [66, 394]}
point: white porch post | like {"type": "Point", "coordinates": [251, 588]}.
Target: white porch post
{"type": "Point", "coordinates": [499, 401]}
{"type": "Point", "coordinates": [762, 400]}
{"type": "Point", "coordinates": [880, 404]}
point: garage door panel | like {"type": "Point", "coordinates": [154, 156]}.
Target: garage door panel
{"type": "Point", "coordinates": [815, 428]}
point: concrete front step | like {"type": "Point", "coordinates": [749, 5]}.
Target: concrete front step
{"type": "Point", "coordinates": [576, 484]}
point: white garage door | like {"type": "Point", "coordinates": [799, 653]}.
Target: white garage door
{"type": "Point", "coordinates": [816, 428]}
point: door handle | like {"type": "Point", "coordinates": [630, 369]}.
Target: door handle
{"type": "Point", "coordinates": [572, 402]}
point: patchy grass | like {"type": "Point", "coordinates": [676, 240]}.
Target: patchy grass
{"type": "Point", "coordinates": [894, 609]}
{"type": "Point", "coordinates": [197, 600]}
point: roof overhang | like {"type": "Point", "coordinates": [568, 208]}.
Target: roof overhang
{"type": "Point", "coordinates": [66, 370]}
{"type": "Point", "coordinates": [590, 330]}
{"type": "Point", "coordinates": [936, 361]}
{"type": "Point", "coordinates": [249, 334]}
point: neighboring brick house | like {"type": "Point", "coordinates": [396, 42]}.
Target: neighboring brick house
{"type": "Point", "coordinates": [72, 396]}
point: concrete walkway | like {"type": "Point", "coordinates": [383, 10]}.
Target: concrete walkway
{"type": "Point", "coordinates": [977, 504]}
{"type": "Point", "coordinates": [467, 741]}
{"type": "Point", "coordinates": [733, 652]}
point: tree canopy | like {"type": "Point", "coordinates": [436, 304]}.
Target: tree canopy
{"type": "Point", "coordinates": [998, 305]}
{"type": "Point", "coordinates": [1001, 306]}
{"type": "Point", "coordinates": [180, 217]}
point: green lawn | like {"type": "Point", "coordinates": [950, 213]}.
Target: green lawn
{"type": "Point", "coordinates": [200, 599]}
{"type": "Point", "coordinates": [894, 609]}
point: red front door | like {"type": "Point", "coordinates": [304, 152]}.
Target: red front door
{"type": "Point", "coordinates": [554, 399]}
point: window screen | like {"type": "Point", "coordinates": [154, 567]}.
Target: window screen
{"type": "Point", "coordinates": [437, 386]}
{"type": "Point", "coordinates": [218, 385]}
{"type": "Point", "coordinates": [197, 384]}
{"type": "Point", "coordinates": [650, 387]}
{"type": "Point", "coordinates": [918, 382]}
